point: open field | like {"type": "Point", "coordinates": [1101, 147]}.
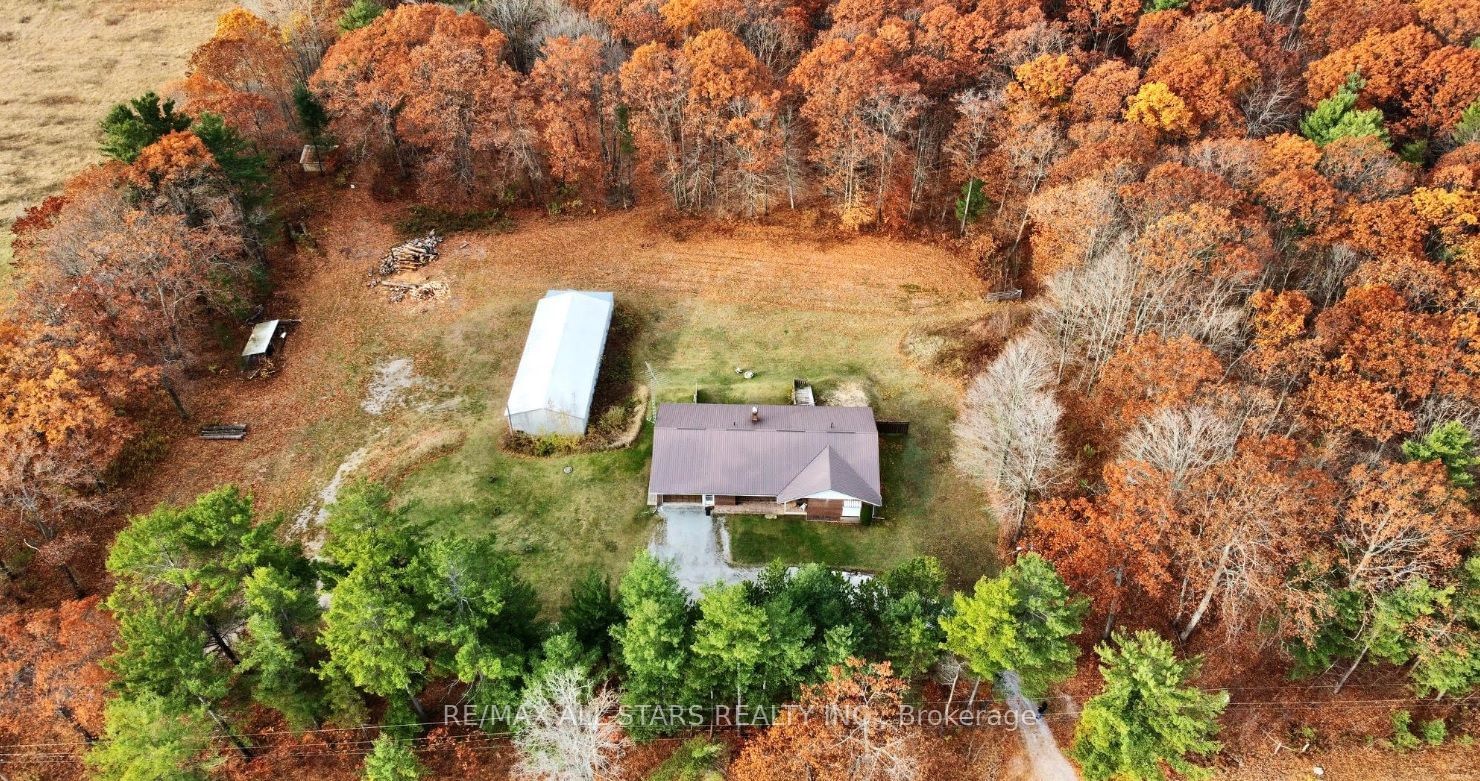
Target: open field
{"type": "Point", "coordinates": [773, 300]}
{"type": "Point", "coordinates": [65, 63]}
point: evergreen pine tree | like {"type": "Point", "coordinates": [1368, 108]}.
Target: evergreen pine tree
{"type": "Point", "coordinates": [129, 127]}
{"type": "Point", "coordinates": [652, 644]}
{"type": "Point", "coordinates": [391, 759]}
{"type": "Point", "coordinates": [1452, 444]}
{"type": "Point", "coordinates": [1337, 117]}
{"type": "Point", "coordinates": [149, 737]}
{"type": "Point", "coordinates": [1023, 620]}
{"type": "Point", "coordinates": [1148, 716]}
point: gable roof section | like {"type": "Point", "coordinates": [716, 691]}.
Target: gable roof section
{"type": "Point", "coordinates": [791, 453]}
{"type": "Point", "coordinates": [828, 472]}
{"type": "Point", "coordinates": [562, 354]}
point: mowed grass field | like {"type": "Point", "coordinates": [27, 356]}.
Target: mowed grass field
{"type": "Point", "coordinates": [777, 301]}
{"type": "Point", "coordinates": [66, 62]}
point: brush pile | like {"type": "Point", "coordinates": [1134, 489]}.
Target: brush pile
{"type": "Point", "coordinates": [410, 256]}
{"type": "Point", "coordinates": [431, 290]}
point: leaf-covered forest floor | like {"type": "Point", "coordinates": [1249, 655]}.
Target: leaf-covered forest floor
{"type": "Point", "coordinates": [698, 302]}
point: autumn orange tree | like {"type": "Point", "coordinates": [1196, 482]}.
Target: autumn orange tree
{"type": "Point", "coordinates": [245, 74]}
{"type": "Point", "coordinates": [61, 393]}
{"type": "Point", "coordinates": [49, 661]}
{"type": "Point", "coordinates": [576, 116]}
{"type": "Point", "coordinates": [845, 729]}
{"type": "Point", "coordinates": [428, 88]}
{"type": "Point", "coordinates": [146, 278]}
{"type": "Point", "coordinates": [860, 101]}
{"type": "Point", "coordinates": [706, 118]}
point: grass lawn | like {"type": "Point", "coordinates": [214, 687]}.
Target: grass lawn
{"type": "Point", "coordinates": [596, 516]}
{"type": "Point", "coordinates": [757, 540]}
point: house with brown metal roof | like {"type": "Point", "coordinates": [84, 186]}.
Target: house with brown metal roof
{"type": "Point", "coordinates": [817, 462]}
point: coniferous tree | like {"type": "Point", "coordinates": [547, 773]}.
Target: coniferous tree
{"type": "Point", "coordinates": [590, 612]}
{"type": "Point", "coordinates": [1023, 620]}
{"type": "Point", "coordinates": [129, 127]}
{"type": "Point", "coordinates": [360, 13]}
{"type": "Point", "coordinates": [900, 612]}
{"type": "Point", "coordinates": [276, 650]}
{"type": "Point", "coordinates": [478, 617]}
{"type": "Point", "coordinates": [371, 628]}
{"type": "Point", "coordinates": [1148, 718]}
{"type": "Point", "coordinates": [652, 643]}
{"type": "Point", "coordinates": [150, 737]}
{"type": "Point", "coordinates": [744, 653]}
{"type": "Point", "coordinates": [1451, 444]}
{"type": "Point", "coordinates": [1337, 117]}
{"type": "Point", "coordinates": [392, 760]}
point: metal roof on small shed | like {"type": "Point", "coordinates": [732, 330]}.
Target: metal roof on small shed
{"type": "Point", "coordinates": [562, 354]}
{"type": "Point", "coordinates": [261, 338]}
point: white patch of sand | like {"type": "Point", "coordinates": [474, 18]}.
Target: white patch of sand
{"type": "Point", "coordinates": [308, 525]}
{"type": "Point", "coordinates": [394, 378]}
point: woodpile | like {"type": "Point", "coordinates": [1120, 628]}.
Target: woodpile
{"type": "Point", "coordinates": [410, 256]}
{"type": "Point", "coordinates": [265, 367]}
{"type": "Point", "coordinates": [224, 431]}
{"type": "Point", "coordinates": [432, 290]}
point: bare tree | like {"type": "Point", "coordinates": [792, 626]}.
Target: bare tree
{"type": "Point", "coordinates": [565, 732]}
{"type": "Point", "coordinates": [1270, 107]}
{"type": "Point", "coordinates": [1007, 432]}
{"type": "Point", "coordinates": [308, 27]}
{"type": "Point", "coordinates": [1086, 310]}
{"type": "Point", "coordinates": [1181, 443]}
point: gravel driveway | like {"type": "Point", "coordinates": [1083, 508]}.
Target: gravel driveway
{"type": "Point", "coordinates": [698, 547]}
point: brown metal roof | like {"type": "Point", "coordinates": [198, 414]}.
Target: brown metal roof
{"type": "Point", "coordinates": [716, 449]}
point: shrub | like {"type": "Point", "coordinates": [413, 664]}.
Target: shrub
{"type": "Point", "coordinates": [1403, 737]}
{"type": "Point", "coordinates": [542, 446]}
{"type": "Point", "coordinates": [696, 760]}
{"type": "Point", "coordinates": [422, 218]}
{"type": "Point", "coordinates": [1434, 732]}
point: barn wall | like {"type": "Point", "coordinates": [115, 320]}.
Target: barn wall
{"type": "Point", "coordinates": [543, 421]}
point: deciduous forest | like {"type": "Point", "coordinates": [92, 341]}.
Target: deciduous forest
{"type": "Point", "coordinates": [1225, 425]}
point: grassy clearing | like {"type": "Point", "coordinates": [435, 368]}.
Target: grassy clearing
{"type": "Point", "coordinates": [66, 62]}
{"type": "Point", "coordinates": [5, 266]}
{"type": "Point", "coordinates": [595, 515]}
{"type": "Point", "coordinates": [759, 298]}
{"type": "Point", "coordinates": [756, 540]}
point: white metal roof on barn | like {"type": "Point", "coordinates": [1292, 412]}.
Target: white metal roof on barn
{"type": "Point", "coordinates": [261, 338]}
{"type": "Point", "coordinates": [562, 357]}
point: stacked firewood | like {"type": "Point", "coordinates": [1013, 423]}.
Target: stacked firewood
{"type": "Point", "coordinates": [409, 256]}
{"type": "Point", "coordinates": [224, 431]}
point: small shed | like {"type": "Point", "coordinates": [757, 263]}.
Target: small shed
{"type": "Point", "coordinates": [317, 159]}
{"type": "Point", "coordinates": [265, 343]}
{"type": "Point", "coordinates": [556, 379]}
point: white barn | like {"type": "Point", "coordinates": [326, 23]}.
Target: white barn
{"type": "Point", "coordinates": [562, 357]}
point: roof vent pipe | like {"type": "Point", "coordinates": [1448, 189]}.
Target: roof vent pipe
{"type": "Point", "coordinates": [755, 414]}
